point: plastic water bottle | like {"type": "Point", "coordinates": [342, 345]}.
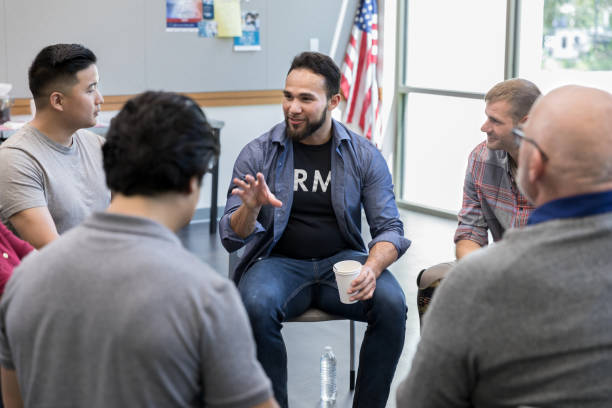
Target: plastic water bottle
{"type": "Point", "coordinates": [328, 375]}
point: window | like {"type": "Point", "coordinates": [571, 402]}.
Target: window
{"type": "Point", "coordinates": [445, 129]}
{"type": "Point", "coordinates": [566, 42]}
{"type": "Point", "coordinates": [453, 55]}
{"type": "Point", "coordinates": [453, 52]}
{"type": "Point", "coordinates": [451, 46]}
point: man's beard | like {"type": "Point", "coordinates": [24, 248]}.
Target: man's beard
{"type": "Point", "coordinates": [308, 130]}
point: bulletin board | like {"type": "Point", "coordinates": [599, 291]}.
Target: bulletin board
{"type": "Point", "coordinates": [136, 53]}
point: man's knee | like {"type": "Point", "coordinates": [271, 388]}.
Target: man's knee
{"type": "Point", "coordinates": [427, 282]}
{"type": "Point", "coordinates": [390, 301]}
{"type": "Point", "coordinates": [259, 301]}
{"type": "Point", "coordinates": [433, 274]}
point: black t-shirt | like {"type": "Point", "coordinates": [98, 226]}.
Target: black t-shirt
{"type": "Point", "coordinates": [312, 230]}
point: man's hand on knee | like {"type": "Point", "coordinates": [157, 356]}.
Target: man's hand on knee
{"type": "Point", "coordinates": [382, 254]}
{"type": "Point", "coordinates": [364, 284]}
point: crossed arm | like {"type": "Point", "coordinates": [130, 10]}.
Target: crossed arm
{"type": "Point", "coordinates": [464, 247]}
{"type": "Point", "coordinates": [11, 396]}
{"type": "Point", "coordinates": [35, 226]}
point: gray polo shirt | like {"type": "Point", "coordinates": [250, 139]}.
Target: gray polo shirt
{"type": "Point", "coordinates": [116, 313]}
{"type": "Point", "coordinates": [37, 172]}
{"type": "Point", "coordinates": [525, 322]}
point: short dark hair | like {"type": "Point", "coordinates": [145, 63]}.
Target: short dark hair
{"type": "Point", "coordinates": [519, 93]}
{"type": "Point", "coordinates": [156, 144]}
{"type": "Point", "coordinates": [320, 64]}
{"type": "Point", "coordinates": [57, 65]}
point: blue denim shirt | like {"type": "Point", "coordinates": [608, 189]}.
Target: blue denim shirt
{"type": "Point", "coordinates": [359, 177]}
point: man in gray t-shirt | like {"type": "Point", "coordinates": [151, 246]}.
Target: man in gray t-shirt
{"type": "Point", "coordinates": [37, 172]}
{"type": "Point", "coordinates": [116, 313]}
{"type": "Point", "coordinates": [51, 174]}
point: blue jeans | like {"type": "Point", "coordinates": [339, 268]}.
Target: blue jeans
{"type": "Point", "coordinates": [276, 289]}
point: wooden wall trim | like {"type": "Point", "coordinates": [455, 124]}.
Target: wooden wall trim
{"type": "Point", "coordinates": [21, 107]}
{"type": "Point", "coordinates": [205, 99]}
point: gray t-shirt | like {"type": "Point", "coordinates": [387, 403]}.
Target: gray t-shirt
{"type": "Point", "coordinates": [37, 172]}
{"type": "Point", "coordinates": [116, 313]}
{"type": "Point", "coordinates": [524, 322]}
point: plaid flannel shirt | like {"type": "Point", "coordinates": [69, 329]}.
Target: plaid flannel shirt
{"type": "Point", "coordinates": [491, 199]}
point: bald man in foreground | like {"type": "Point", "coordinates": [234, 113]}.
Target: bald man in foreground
{"type": "Point", "coordinates": [527, 322]}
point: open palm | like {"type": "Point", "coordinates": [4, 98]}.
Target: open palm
{"type": "Point", "coordinates": [254, 192]}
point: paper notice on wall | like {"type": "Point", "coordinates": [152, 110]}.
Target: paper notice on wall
{"type": "Point", "coordinates": [208, 29]}
{"type": "Point", "coordinates": [183, 15]}
{"type": "Point", "coordinates": [228, 18]}
{"type": "Point", "coordinates": [249, 40]}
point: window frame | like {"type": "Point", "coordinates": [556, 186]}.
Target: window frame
{"type": "Point", "coordinates": [403, 91]}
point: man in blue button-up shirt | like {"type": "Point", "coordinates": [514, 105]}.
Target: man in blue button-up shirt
{"type": "Point", "coordinates": [295, 204]}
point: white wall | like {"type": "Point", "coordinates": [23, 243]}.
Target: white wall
{"type": "Point", "coordinates": [135, 53]}
{"type": "Point", "coordinates": [242, 124]}
{"type": "Point", "coordinates": [388, 56]}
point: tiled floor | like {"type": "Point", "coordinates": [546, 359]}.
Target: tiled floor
{"type": "Point", "coordinates": [432, 242]}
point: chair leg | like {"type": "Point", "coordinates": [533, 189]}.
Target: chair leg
{"type": "Point", "coordinates": [352, 352]}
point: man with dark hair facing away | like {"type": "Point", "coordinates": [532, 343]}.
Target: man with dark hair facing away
{"type": "Point", "coordinates": [116, 313]}
{"type": "Point", "coordinates": [51, 174]}
{"type": "Point", "coordinates": [491, 200]}
{"type": "Point", "coordinates": [295, 202]}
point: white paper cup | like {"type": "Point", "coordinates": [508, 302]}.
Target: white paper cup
{"type": "Point", "coordinates": [346, 272]}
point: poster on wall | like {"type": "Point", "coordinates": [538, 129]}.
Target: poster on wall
{"type": "Point", "coordinates": [227, 16]}
{"type": "Point", "coordinates": [208, 9]}
{"type": "Point", "coordinates": [208, 29]}
{"type": "Point", "coordinates": [249, 40]}
{"type": "Point", "coordinates": [183, 15]}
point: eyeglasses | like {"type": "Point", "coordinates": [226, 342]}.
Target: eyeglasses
{"type": "Point", "coordinates": [520, 136]}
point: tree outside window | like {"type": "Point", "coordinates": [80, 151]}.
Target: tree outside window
{"type": "Point", "coordinates": [577, 35]}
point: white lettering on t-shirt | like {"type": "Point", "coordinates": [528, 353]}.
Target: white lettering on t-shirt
{"type": "Point", "coordinates": [300, 176]}
{"type": "Point", "coordinates": [318, 180]}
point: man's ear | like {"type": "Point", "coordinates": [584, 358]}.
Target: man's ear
{"type": "Point", "coordinates": [333, 102]}
{"type": "Point", "coordinates": [523, 120]}
{"type": "Point", "coordinates": [56, 101]}
{"type": "Point", "coordinates": [195, 183]}
{"type": "Point", "coordinates": [536, 166]}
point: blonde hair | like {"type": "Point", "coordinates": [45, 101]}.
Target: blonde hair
{"type": "Point", "coordinates": [520, 93]}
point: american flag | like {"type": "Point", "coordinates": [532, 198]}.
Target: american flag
{"type": "Point", "coordinates": [358, 83]}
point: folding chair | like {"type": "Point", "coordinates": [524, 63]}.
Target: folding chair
{"type": "Point", "coordinates": [311, 315]}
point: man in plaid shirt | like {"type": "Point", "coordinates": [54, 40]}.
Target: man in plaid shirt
{"type": "Point", "coordinates": [491, 199]}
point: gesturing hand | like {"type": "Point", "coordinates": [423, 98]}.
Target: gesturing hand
{"type": "Point", "coordinates": [255, 193]}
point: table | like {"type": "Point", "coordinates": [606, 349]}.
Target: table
{"type": "Point", "coordinates": [217, 125]}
